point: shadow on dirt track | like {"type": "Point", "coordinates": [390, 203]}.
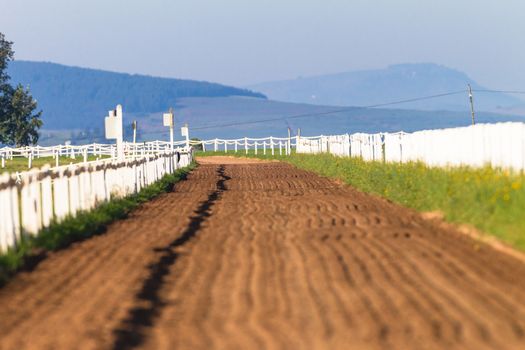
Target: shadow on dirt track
{"type": "Point", "coordinates": [131, 334]}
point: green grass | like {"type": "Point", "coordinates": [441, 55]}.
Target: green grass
{"type": "Point", "coordinates": [84, 225]}
{"type": "Point", "coordinates": [492, 200]}
{"type": "Point", "coordinates": [21, 164]}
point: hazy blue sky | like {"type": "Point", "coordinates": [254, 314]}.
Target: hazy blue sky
{"type": "Point", "coordinates": [242, 42]}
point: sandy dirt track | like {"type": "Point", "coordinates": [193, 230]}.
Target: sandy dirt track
{"type": "Point", "coordinates": [266, 256]}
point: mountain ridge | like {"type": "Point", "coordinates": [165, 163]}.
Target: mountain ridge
{"type": "Point", "coordinates": [375, 86]}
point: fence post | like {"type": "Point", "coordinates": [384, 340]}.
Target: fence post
{"type": "Point", "coordinates": [74, 186]}
{"type": "Point", "coordinates": [10, 214]}
{"type": "Point", "coordinates": [298, 140]}
{"type": "Point", "coordinates": [383, 147]}
{"type": "Point", "coordinates": [246, 144]}
{"type": "Point", "coordinates": [31, 204]}
{"type": "Point", "coordinates": [47, 197]}
{"type": "Point", "coordinates": [289, 145]}
{"type": "Point", "coordinates": [271, 145]}
{"type": "Point", "coordinates": [400, 150]}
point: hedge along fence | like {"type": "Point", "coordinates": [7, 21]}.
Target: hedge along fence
{"type": "Point", "coordinates": [32, 200]}
{"type": "Point", "coordinates": [498, 145]}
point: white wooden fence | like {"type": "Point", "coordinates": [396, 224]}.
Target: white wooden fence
{"type": "Point", "coordinates": [31, 200]}
{"type": "Point", "coordinates": [497, 145]}
{"type": "Point", "coordinates": [74, 151]}
{"type": "Point", "coordinates": [272, 145]}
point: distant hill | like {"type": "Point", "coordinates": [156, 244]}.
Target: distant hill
{"type": "Point", "coordinates": [73, 97]}
{"type": "Point", "coordinates": [396, 82]}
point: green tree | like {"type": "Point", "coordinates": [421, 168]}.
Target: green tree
{"type": "Point", "coordinates": [197, 146]}
{"type": "Point", "coordinates": [19, 123]}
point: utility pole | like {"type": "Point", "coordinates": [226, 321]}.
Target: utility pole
{"type": "Point", "coordinates": [134, 126]}
{"type": "Point", "coordinates": [171, 128]}
{"type": "Point", "coordinates": [471, 103]}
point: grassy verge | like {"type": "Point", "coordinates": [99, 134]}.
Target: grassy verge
{"type": "Point", "coordinates": [84, 225]}
{"type": "Point", "coordinates": [492, 200]}
{"type": "Point", "coordinates": [21, 164]}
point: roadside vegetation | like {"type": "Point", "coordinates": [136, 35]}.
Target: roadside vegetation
{"type": "Point", "coordinates": [84, 225]}
{"type": "Point", "coordinates": [492, 200]}
{"type": "Point", "coordinates": [21, 164]}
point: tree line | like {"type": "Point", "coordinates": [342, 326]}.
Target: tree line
{"type": "Point", "coordinates": [19, 120]}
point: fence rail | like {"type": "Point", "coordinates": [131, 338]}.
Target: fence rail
{"type": "Point", "coordinates": [93, 149]}
{"type": "Point", "coordinates": [31, 200]}
{"type": "Point", "coordinates": [270, 144]}
{"type": "Point", "coordinates": [497, 145]}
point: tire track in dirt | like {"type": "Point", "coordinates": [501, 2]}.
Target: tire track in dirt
{"type": "Point", "coordinates": [267, 256]}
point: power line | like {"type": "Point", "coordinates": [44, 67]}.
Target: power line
{"type": "Point", "coordinates": [500, 91]}
{"type": "Point", "coordinates": [305, 115]}
{"type": "Point", "coordinates": [415, 99]}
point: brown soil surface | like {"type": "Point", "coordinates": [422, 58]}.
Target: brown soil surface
{"type": "Point", "coordinates": [229, 160]}
{"type": "Point", "coordinates": [266, 256]}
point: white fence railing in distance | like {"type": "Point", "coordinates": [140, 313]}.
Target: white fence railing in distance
{"type": "Point", "coordinates": [36, 198]}
{"type": "Point", "coordinates": [93, 149]}
{"type": "Point", "coordinates": [271, 145]}
{"type": "Point", "coordinates": [497, 145]}
{"type": "Point", "coordinates": [366, 146]}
